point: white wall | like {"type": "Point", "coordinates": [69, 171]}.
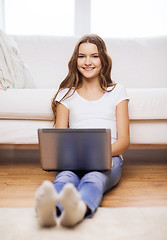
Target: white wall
{"type": "Point", "coordinates": [82, 12]}
{"type": "Point", "coordinates": [107, 18]}
{"type": "Point", "coordinates": [82, 17]}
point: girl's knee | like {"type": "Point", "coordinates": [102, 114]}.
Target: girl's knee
{"type": "Point", "coordinates": [93, 176]}
{"type": "Point", "coordinates": [96, 178]}
{"type": "Point", "coordinates": [67, 176]}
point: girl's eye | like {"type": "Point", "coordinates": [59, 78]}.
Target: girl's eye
{"type": "Point", "coordinates": [95, 56]}
{"type": "Point", "coordinates": [80, 56]}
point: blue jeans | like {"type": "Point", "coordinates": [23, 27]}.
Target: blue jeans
{"type": "Point", "coordinates": [91, 185]}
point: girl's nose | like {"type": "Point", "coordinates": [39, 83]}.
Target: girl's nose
{"type": "Point", "coordinates": [88, 61]}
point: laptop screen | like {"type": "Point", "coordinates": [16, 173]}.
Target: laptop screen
{"type": "Point", "coordinates": [75, 149]}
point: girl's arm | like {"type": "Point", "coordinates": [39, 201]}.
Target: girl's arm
{"type": "Point", "coordinates": [62, 115]}
{"type": "Point", "coordinates": [123, 140]}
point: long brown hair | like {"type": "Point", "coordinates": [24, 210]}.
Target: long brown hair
{"type": "Point", "coordinates": [74, 78]}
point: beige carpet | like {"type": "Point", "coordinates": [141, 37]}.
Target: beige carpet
{"type": "Point", "coordinates": [107, 223]}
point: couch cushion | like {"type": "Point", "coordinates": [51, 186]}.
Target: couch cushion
{"type": "Point", "coordinates": [147, 103]}
{"type": "Point", "coordinates": [47, 56]}
{"type": "Point", "coordinates": [137, 62]}
{"type": "Point", "coordinates": [26, 104]}
{"type": "Point", "coordinates": [36, 103]}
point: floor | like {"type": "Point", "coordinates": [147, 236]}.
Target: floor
{"type": "Point", "coordinates": [143, 182]}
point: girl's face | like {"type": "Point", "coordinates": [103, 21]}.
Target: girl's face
{"type": "Point", "coordinates": [88, 62]}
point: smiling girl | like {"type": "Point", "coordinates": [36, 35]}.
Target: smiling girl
{"type": "Point", "coordinates": [87, 98]}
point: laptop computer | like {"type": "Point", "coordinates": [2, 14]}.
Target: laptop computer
{"type": "Point", "coordinates": [75, 149]}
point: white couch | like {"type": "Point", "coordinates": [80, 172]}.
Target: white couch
{"type": "Point", "coordinates": [138, 64]}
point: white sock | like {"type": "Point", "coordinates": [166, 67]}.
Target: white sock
{"type": "Point", "coordinates": [46, 198]}
{"type": "Point", "coordinates": [74, 207]}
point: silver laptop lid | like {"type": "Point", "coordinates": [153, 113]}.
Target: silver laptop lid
{"type": "Point", "coordinates": [75, 149]}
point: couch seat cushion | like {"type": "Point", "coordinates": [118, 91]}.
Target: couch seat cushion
{"type": "Point", "coordinates": [35, 104]}
{"type": "Point", "coordinates": [147, 103]}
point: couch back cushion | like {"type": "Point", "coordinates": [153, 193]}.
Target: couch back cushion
{"type": "Point", "coordinates": [137, 63]}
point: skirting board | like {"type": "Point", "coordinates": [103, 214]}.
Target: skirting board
{"type": "Point", "coordinates": [36, 146]}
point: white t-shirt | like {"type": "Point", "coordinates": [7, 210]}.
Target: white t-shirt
{"type": "Point", "coordinates": [100, 113]}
